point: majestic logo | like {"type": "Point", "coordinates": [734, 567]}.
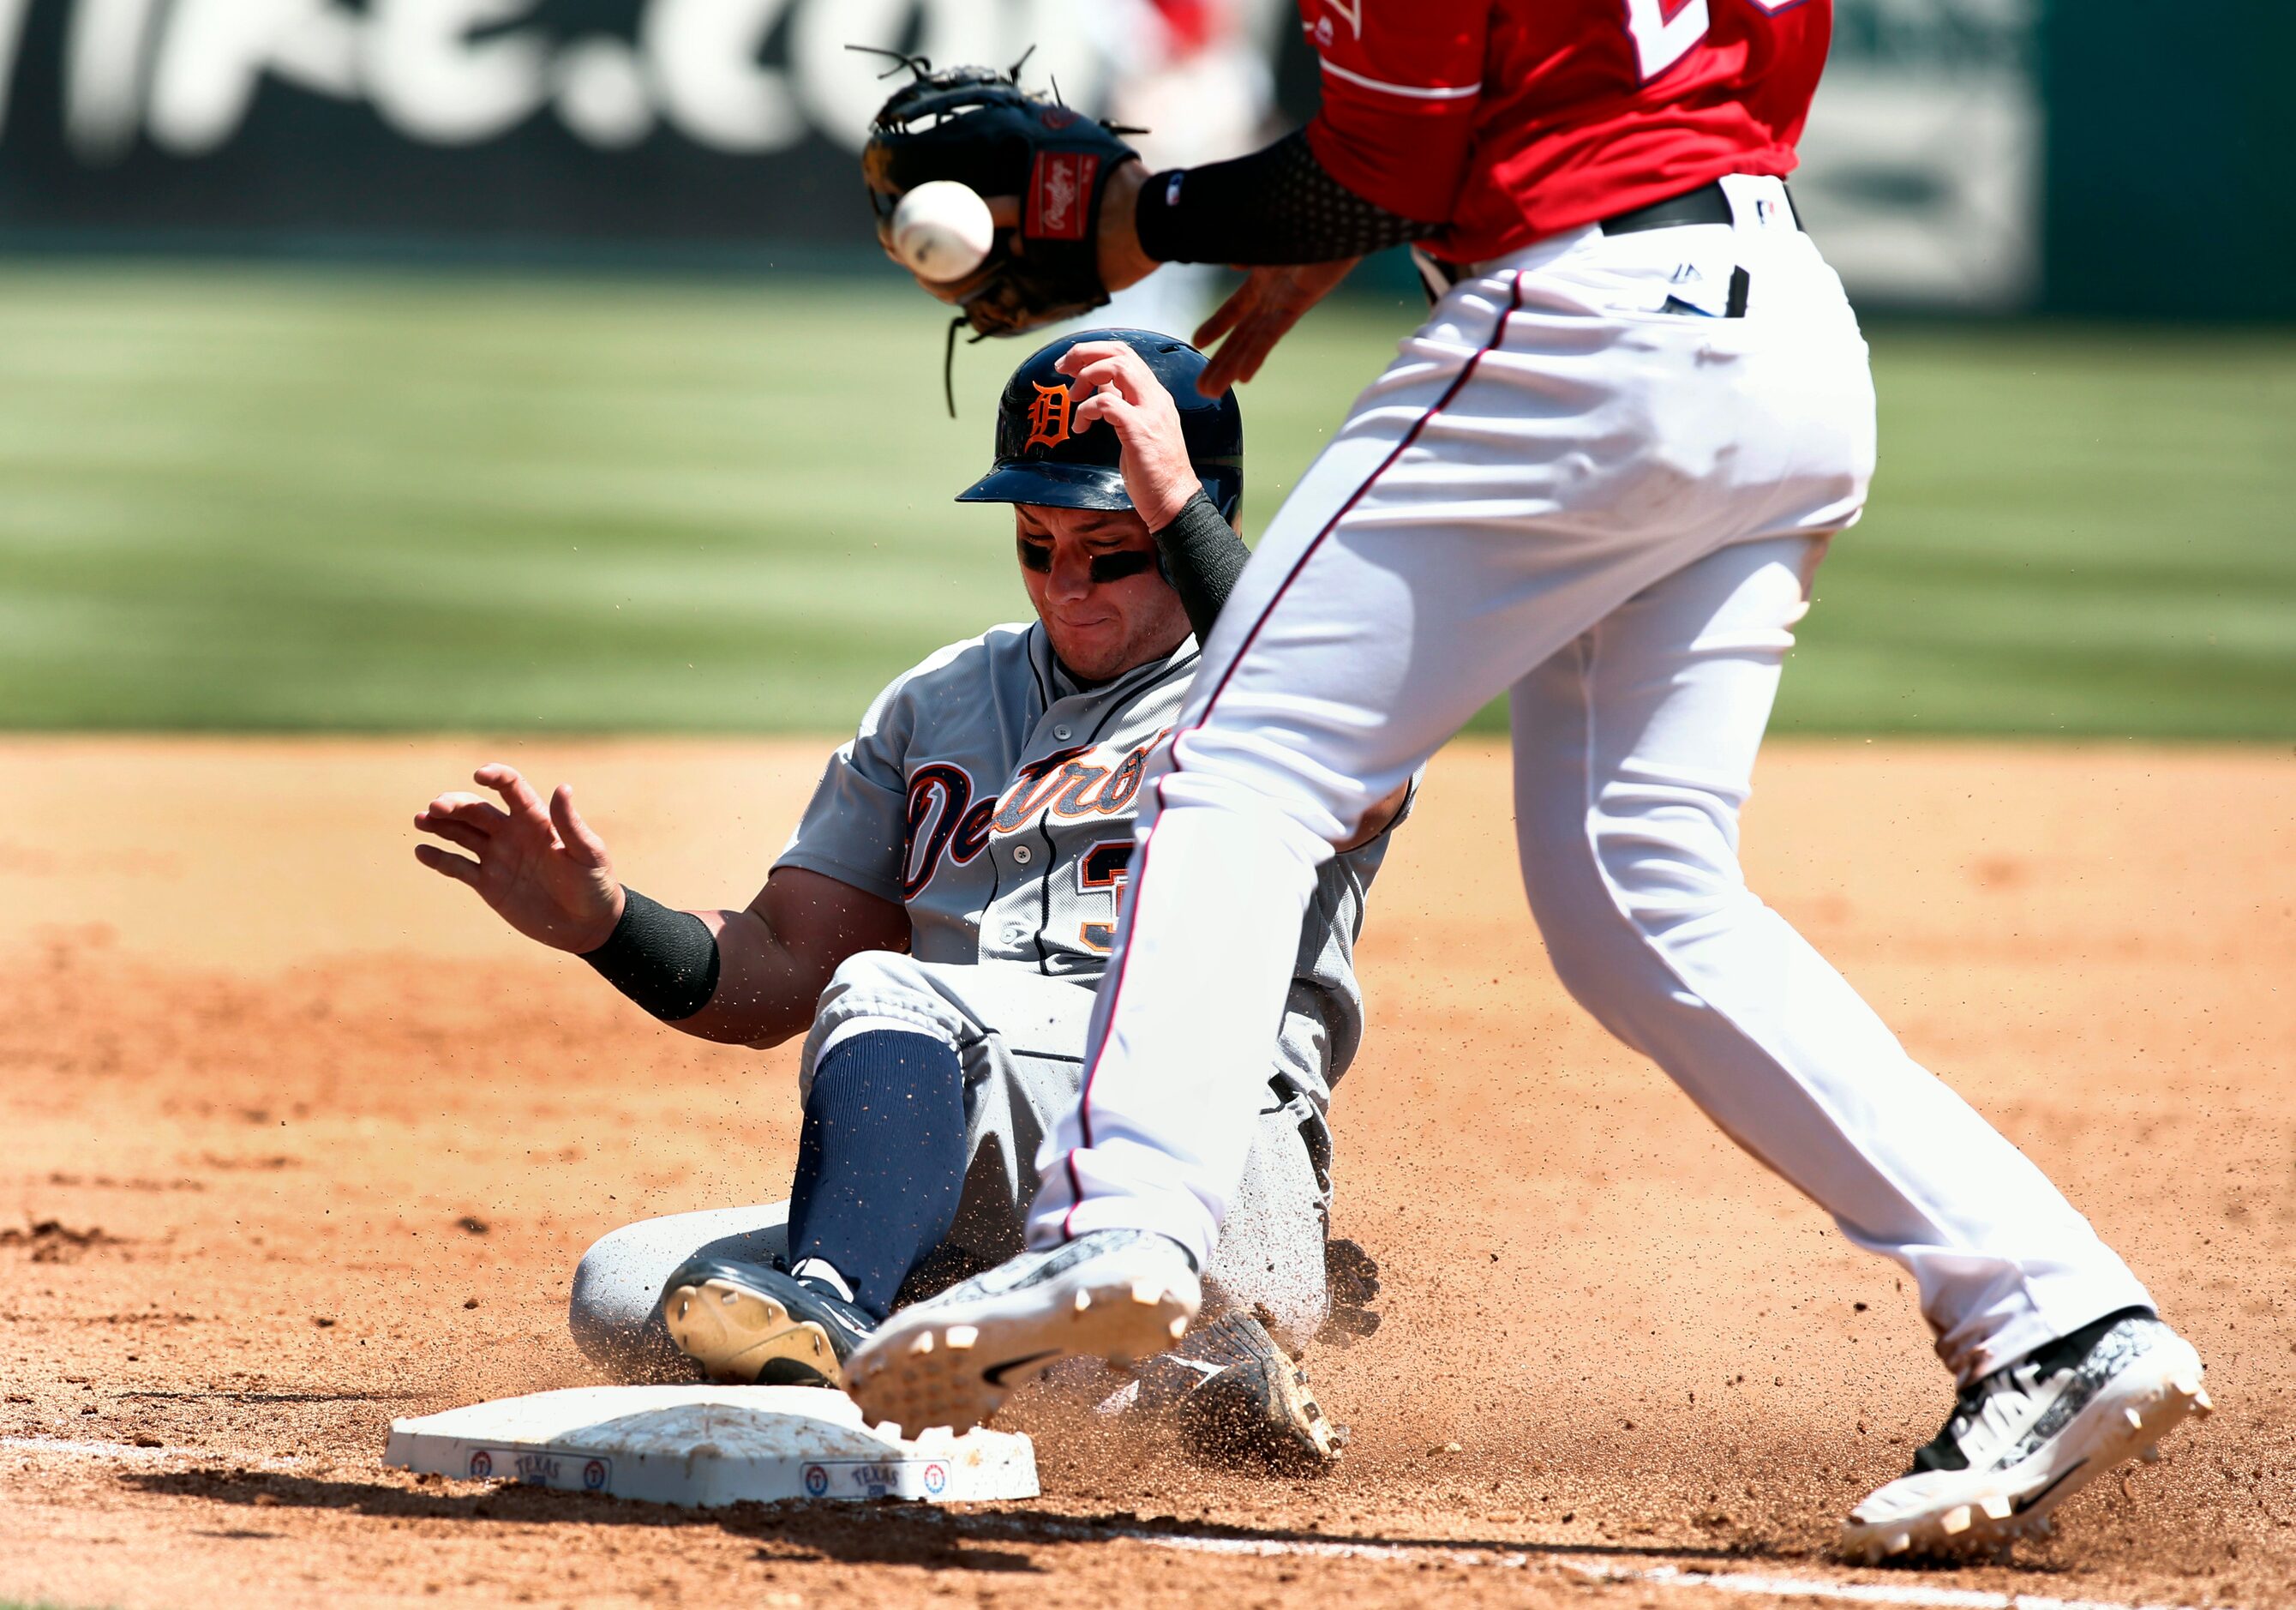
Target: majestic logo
{"type": "Point", "coordinates": [1048, 417]}
{"type": "Point", "coordinates": [1058, 187]}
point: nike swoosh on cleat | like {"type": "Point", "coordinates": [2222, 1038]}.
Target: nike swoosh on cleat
{"type": "Point", "coordinates": [995, 1376]}
{"type": "Point", "coordinates": [2030, 1500]}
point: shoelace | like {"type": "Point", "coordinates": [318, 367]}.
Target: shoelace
{"type": "Point", "coordinates": [1994, 1405]}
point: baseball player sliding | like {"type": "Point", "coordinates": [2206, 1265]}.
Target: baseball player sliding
{"type": "Point", "coordinates": [935, 927]}
{"type": "Point", "coordinates": [1599, 476]}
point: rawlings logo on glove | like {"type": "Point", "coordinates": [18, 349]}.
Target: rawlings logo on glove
{"type": "Point", "coordinates": [1059, 179]}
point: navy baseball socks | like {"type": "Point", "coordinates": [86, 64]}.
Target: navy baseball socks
{"type": "Point", "coordinates": [881, 1161]}
{"type": "Point", "coordinates": [880, 1166]}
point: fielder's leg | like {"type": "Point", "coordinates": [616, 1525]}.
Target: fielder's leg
{"type": "Point", "coordinates": [1633, 751]}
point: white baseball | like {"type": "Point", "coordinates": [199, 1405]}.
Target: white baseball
{"type": "Point", "coordinates": [942, 230]}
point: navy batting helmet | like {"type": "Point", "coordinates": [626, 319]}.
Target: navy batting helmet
{"type": "Point", "coordinates": [1041, 460]}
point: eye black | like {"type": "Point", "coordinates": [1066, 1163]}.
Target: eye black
{"type": "Point", "coordinates": [1115, 567]}
{"type": "Point", "coordinates": [1036, 556]}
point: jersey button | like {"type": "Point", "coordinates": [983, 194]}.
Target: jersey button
{"type": "Point", "coordinates": [1021, 853]}
{"type": "Point", "coordinates": [1062, 732]}
{"type": "Point", "coordinates": [1015, 934]}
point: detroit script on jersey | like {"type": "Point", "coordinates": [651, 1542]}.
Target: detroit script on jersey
{"type": "Point", "coordinates": [995, 798]}
{"type": "Point", "coordinates": [1511, 119]}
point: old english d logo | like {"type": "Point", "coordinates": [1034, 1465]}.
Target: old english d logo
{"type": "Point", "coordinates": [1048, 417]}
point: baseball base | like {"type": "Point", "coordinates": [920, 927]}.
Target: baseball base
{"type": "Point", "coordinates": [701, 1447]}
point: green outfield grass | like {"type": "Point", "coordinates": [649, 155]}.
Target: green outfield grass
{"type": "Point", "coordinates": [267, 499]}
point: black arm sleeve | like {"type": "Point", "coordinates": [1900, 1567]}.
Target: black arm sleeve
{"type": "Point", "coordinates": [665, 960]}
{"type": "Point", "coordinates": [1204, 556]}
{"type": "Point", "coordinates": [1274, 206]}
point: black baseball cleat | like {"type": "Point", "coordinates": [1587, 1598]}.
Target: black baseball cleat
{"type": "Point", "coordinates": [1241, 1402]}
{"type": "Point", "coordinates": [2027, 1437]}
{"type": "Point", "coordinates": [748, 1323]}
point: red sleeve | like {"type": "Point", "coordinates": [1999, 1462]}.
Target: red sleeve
{"type": "Point", "coordinates": [1401, 79]}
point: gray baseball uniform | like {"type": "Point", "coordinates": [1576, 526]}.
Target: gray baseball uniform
{"type": "Point", "coordinates": [993, 796]}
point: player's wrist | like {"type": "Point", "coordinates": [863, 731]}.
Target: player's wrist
{"type": "Point", "coordinates": [595, 932]}
{"type": "Point", "coordinates": [1203, 557]}
{"type": "Point", "coordinates": [665, 960]}
{"type": "Point", "coordinates": [1123, 261]}
{"type": "Point", "coordinates": [1163, 493]}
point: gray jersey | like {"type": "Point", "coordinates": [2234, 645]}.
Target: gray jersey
{"type": "Point", "coordinates": [995, 798]}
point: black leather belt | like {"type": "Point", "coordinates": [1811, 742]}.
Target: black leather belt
{"type": "Point", "coordinates": [1707, 204]}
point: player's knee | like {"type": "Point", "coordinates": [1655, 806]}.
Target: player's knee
{"type": "Point", "coordinates": [1608, 900]}
{"type": "Point", "coordinates": [875, 972]}
{"type": "Point", "coordinates": [873, 990]}
{"type": "Point", "coordinates": [610, 1311]}
{"type": "Point", "coordinates": [889, 986]}
{"type": "Point", "coordinates": [614, 1309]}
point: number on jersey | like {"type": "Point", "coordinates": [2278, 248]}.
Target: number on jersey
{"type": "Point", "coordinates": [1664, 31]}
{"type": "Point", "coordinates": [1105, 865]}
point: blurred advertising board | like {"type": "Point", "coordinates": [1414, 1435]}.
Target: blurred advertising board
{"type": "Point", "coordinates": [617, 123]}
{"type": "Point", "coordinates": [1922, 163]}
{"type": "Point", "coordinates": [1936, 173]}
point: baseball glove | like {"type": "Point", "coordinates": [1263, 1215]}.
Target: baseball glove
{"type": "Point", "coordinates": [980, 128]}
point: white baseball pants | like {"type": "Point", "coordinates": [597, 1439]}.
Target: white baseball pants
{"type": "Point", "coordinates": [1583, 479]}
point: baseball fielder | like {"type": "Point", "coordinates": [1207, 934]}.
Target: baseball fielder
{"type": "Point", "coordinates": [1600, 476]}
{"type": "Point", "coordinates": [935, 928]}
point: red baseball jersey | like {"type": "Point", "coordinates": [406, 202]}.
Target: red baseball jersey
{"type": "Point", "coordinates": [1510, 119]}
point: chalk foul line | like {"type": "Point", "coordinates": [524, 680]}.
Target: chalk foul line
{"type": "Point", "coordinates": [1920, 1595]}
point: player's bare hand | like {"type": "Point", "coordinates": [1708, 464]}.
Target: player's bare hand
{"type": "Point", "coordinates": [1118, 387]}
{"type": "Point", "coordinates": [1261, 313]}
{"type": "Point", "coordinates": [540, 867]}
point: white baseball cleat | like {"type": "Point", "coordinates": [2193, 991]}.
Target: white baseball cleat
{"type": "Point", "coordinates": [2027, 1437]}
{"type": "Point", "coordinates": [1122, 1295]}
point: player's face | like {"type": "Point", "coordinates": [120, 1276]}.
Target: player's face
{"type": "Point", "coordinates": [1092, 575]}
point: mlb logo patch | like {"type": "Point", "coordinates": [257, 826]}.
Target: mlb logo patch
{"type": "Point", "coordinates": [1059, 194]}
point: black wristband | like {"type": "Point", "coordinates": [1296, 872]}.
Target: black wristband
{"type": "Point", "coordinates": [665, 960]}
{"type": "Point", "coordinates": [1203, 557]}
{"type": "Point", "coordinates": [1276, 206]}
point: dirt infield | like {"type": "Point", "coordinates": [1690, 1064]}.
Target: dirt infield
{"type": "Point", "coordinates": [297, 1140]}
